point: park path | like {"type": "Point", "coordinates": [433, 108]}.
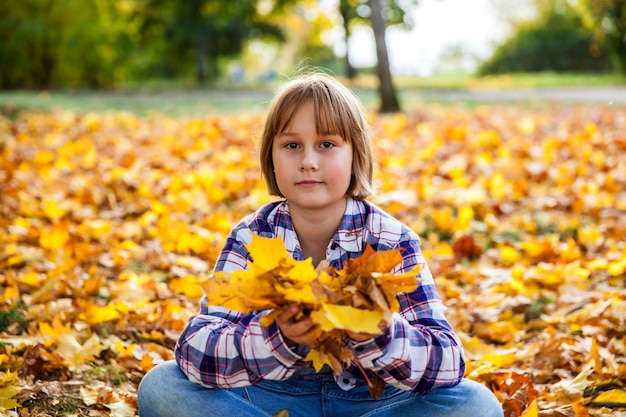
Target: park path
{"type": "Point", "coordinates": [607, 95]}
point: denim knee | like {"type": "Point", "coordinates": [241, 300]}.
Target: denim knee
{"type": "Point", "coordinates": [153, 395]}
{"type": "Point", "coordinates": [480, 401]}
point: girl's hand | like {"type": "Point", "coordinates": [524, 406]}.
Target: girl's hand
{"type": "Point", "coordinates": [301, 330]}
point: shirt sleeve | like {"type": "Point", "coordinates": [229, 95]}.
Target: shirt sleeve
{"type": "Point", "coordinates": [419, 350]}
{"type": "Point", "coordinates": [225, 348]}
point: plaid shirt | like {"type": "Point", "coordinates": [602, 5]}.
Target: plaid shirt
{"type": "Point", "coordinates": [418, 351]}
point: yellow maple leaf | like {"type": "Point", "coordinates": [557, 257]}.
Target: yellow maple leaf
{"type": "Point", "coordinates": [272, 278]}
{"type": "Point", "coordinates": [124, 350]}
{"type": "Point", "coordinates": [30, 278]}
{"type": "Point", "coordinates": [56, 329]}
{"type": "Point", "coordinates": [267, 252]}
{"type": "Point", "coordinates": [397, 283]}
{"type": "Point", "coordinates": [244, 291]}
{"type": "Point", "coordinates": [6, 396]}
{"type": "Point", "coordinates": [52, 209]}
{"type": "Point", "coordinates": [11, 292]}
{"type": "Point", "coordinates": [618, 267]}
{"type": "Point", "coordinates": [509, 255]}
{"type": "Point", "coordinates": [8, 390]}
{"type": "Point", "coordinates": [443, 219]}
{"type": "Point", "coordinates": [302, 272]}
{"type": "Point", "coordinates": [221, 289]}
{"type": "Point", "coordinates": [298, 295]}
{"type": "Point", "coordinates": [187, 285]}
{"type": "Point", "coordinates": [329, 281]}
{"type": "Point", "coordinates": [55, 237]}
{"type": "Point", "coordinates": [333, 316]}
{"type": "Point", "coordinates": [95, 314]}
{"type": "Point", "coordinates": [317, 359]}
{"type": "Point", "coordinates": [382, 261]}
{"type": "Point", "coordinates": [613, 398]}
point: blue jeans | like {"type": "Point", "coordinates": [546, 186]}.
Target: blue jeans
{"type": "Point", "coordinates": [166, 391]}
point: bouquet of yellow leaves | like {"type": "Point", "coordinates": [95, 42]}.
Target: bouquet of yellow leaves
{"type": "Point", "coordinates": [359, 298]}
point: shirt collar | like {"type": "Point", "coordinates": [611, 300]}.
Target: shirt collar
{"type": "Point", "coordinates": [349, 235]}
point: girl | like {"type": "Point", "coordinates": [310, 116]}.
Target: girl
{"type": "Point", "coordinates": [316, 155]}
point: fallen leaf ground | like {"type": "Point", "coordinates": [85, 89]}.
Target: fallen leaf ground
{"type": "Point", "coordinates": [108, 221]}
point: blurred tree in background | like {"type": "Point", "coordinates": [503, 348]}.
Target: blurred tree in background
{"type": "Point", "coordinates": [102, 43]}
{"type": "Point", "coordinates": [386, 90]}
{"type": "Point", "coordinates": [47, 43]}
{"type": "Point", "coordinates": [202, 32]}
{"type": "Point", "coordinates": [358, 12]}
{"type": "Point", "coordinates": [554, 40]}
{"type": "Point", "coordinates": [607, 19]}
{"type": "Point", "coordinates": [380, 14]}
{"type": "Point", "coordinates": [112, 43]}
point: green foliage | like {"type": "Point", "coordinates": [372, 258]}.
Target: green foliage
{"type": "Point", "coordinates": [25, 56]}
{"type": "Point", "coordinates": [395, 12]}
{"type": "Point", "coordinates": [198, 34]}
{"type": "Point", "coordinates": [607, 18]}
{"type": "Point", "coordinates": [555, 41]}
{"type": "Point", "coordinates": [71, 43]}
{"type": "Point", "coordinates": [100, 43]}
{"type": "Point", "coordinates": [10, 316]}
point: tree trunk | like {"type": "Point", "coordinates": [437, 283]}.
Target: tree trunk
{"type": "Point", "coordinates": [389, 100]}
{"type": "Point", "coordinates": [200, 53]}
{"type": "Point", "coordinates": [344, 9]}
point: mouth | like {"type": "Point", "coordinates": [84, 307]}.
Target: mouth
{"type": "Point", "coordinates": [308, 183]}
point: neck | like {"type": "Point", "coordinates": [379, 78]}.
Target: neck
{"type": "Point", "coordinates": [315, 228]}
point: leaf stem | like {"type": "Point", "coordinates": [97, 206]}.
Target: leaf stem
{"type": "Point", "coordinates": [358, 365]}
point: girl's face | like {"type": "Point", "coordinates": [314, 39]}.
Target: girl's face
{"type": "Point", "coordinates": [312, 171]}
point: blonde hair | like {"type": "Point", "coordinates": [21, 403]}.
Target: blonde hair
{"type": "Point", "coordinates": [337, 111]}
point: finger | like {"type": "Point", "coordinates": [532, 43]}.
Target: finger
{"type": "Point", "coordinates": [288, 314]}
{"type": "Point", "coordinates": [300, 328]}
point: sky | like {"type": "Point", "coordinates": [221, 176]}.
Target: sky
{"type": "Point", "coordinates": [473, 25]}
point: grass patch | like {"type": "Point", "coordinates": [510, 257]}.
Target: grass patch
{"type": "Point", "coordinates": [11, 316]}
{"type": "Point", "coordinates": [58, 406]}
{"type": "Point", "coordinates": [179, 103]}
{"type": "Point", "coordinates": [186, 101]}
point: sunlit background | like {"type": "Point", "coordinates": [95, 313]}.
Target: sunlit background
{"type": "Point", "coordinates": [449, 35]}
{"type": "Point", "coordinates": [121, 44]}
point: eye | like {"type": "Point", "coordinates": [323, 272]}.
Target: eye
{"type": "Point", "coordinates": [291, 145]}
{"type": "Point", "coordinates": [326, 144]}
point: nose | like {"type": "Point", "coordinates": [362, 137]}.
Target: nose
{"type": "Point", "coordinates": [308, 161]}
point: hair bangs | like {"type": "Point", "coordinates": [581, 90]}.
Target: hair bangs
{"type": "Point", "coordinates": [328, 120]}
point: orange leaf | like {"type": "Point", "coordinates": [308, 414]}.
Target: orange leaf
{"type": "Point", "coordinates": [55, 237]}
